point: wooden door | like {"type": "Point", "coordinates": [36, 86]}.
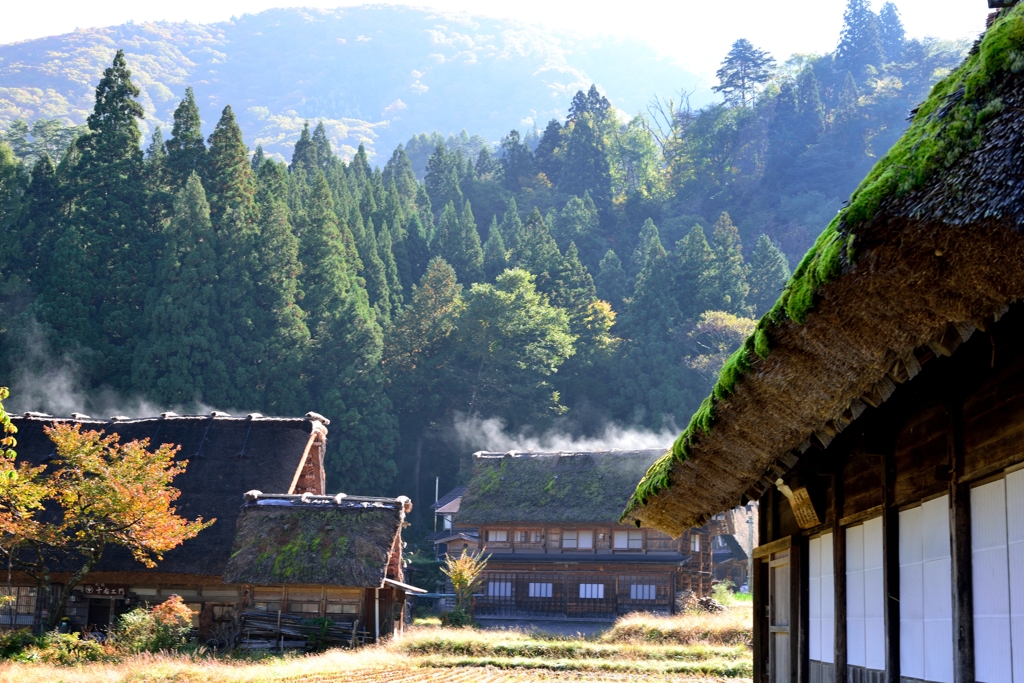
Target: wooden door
{"type": "Point", "coordinates": [780, 621]}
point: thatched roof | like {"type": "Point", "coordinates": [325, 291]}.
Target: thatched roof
{"type": "Point", "coordinates": [552, 487]}
{"type": "Point", "coordinates": [226, 457]}
{"type": "Point", "coordinates": [928, 249]}
{"type": "Point", "coordinates": [318, 540]}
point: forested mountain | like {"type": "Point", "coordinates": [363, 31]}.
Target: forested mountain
{"type": "Point", "coordinates": [374, 74]}
{"type": "Point", "coordinates": [599, 273]}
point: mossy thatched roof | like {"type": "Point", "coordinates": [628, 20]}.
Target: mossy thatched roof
{"type": "Point", "coordinates": [552, 487]}
{"type": "Point", "coordinates": [928, 247]}
{"type": "Point", "coordinates": [317, 540]}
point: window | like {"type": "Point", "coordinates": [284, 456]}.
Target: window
{"type": "Point", "coordinates": [695, 543]}
{"type": "Point", "coordinates": [628, 540]}
{"type": "Point", "coordinates": [447, 522]}
{"type": "Point", "coordinates": [643, 592]}
{"type": "Point", "coordinates": [540, 590]}
{"type": "Point", "coordinates": [528, 536]}
{"type": "Point", "coordinates": [499, 589]}
{"type": "Point", "coordinates": [536, 536]}
{"type": "Point", "coordinates": [569, 539]}
{"type": "Point", "coordinates": [344, 608]}
{"type": "Point", "coordinates": [821, 599]}
{"type": "Point", "coordinates": [21, 610]}
{"type": "Point", "coordinates": [497, 536]}
{"type": "Point", "coordinates": [592, 591]}
{"type": "Point", "coordinates": [865, 599]}
{"type": "Point", "coordinates": [585, 540]}
{"type": "Point", "coordinates": [997, 548]}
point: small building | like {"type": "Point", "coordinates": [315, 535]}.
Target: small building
{"type": "Point", "coordinates": [227, 456]}
{"type": "Point", "coordinates": [549, 524]}
{"type": "Point", "coordinates": [447, 534]}
{"type": "Point", "coordinates": [878, 413]}
{"type": "Point", "coordinates": [734, 536]}
{"type": "Point", "coordinates": [306, 556]}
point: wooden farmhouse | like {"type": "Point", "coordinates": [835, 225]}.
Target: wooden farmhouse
{"type": "Point", "coordinates": [549, 522]}
{"type": "Point", "coordinates": [227, 456]}
{"type": "Point", "coordinates": [878, 413]}
{"type": "Point", "coordinates": [320, 556]}
{"type": "Point", "coordinates": [734, 535]}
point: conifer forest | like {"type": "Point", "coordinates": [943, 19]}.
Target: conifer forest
{"type": "Point", "coordinates": [596, 269]}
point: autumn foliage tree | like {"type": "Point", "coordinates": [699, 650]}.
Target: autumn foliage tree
{"type": "Point", "coordinates": [95, 493]}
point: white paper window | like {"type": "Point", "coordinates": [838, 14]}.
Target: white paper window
{"type": "Point", "coordinates": [926, 596]}
{"type": "Point", "coordinates": [643, 592]}
{"type": "Point", "coordinates": [628, 540]}
{"type": "Point", "coordinates": [865, 599]}
{"type": "Point", "coordinates": [499, 589]}
{"type": "Point", "coordinates": [997, 545]}
{"type": "Point", "coordinates": [540, 590]}
{"type": "Point", "coordinates": [497, 535]}
{"type": "Point", "coordinates": [569, 539]}
{"type": "Point", "coordinates": [592, 591]}
{"type": "Point", "coordinates": [821, 600]}
{"type": "Point", "coordinates": [695, 543]}
{"type": "Point", "coordinates": [585, 540]}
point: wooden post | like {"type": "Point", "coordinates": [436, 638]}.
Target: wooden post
{"type": "Point", "coordinates": [891, 564]}
{"type": "Point", "coordinates": [960, 550]}
{"type": "Point", "coordinates": [839, 575]}
{"type": "Point", "coordinates": [280, 638]}
{"type": "Point", "coordinates": [760, 605]}
{"type": "Point", "coordinates": [799, 614]}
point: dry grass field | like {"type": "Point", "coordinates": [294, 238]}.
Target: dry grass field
{"type": "Point", "coordinates": [637, 648]}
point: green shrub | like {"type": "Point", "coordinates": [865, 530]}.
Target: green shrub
{"type": "Point", "coordinates": [163, 627]}
{"type": "Point", "coordinates": [456, 618]}
{"type": "Point", "coordinates": [65, 648]}
{"type": "Point", "coordinates": [13, 643]}
{"type": "Point", "coordinates": [316, 633]}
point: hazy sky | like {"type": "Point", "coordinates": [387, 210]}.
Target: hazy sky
{"type": "Point", "coordinates": [696, 32]}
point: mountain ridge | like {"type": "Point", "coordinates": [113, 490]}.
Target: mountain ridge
{"type": "Point", "coordinates": [376, 75]}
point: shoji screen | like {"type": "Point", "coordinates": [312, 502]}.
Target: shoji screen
{"type": "Point", "coordinates": [865, 599]}
{"type": "Point", "coordinates": [926, 593]}
{"type": "Point", "coordinates": [997, 539]}
{"type": "Point", "coordinates": [822, 606]}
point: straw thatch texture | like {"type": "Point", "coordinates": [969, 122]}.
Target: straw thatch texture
{"type": "Point", "coordinates": [317, 543]}
{"type": "Point", "coordinates": [929, 247]}
{"type": "Point", "coordinates": [226, 457]}
{"type": "Point", "coordinates": [552, 487]}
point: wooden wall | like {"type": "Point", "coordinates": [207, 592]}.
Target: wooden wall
{"type": "Point", "coordinates": [959, 422]}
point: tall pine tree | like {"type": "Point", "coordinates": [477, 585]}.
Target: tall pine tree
{"type": "Point", "coordinates": [179, 358]}
{"type": "Point", "coordinates": [186, 151]}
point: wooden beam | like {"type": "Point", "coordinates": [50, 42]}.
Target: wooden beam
{"type": "Point", "coordinates": [960, 550]}
{"type": "Point", "coordinates": [780, 544]}
{"type": "Point", "coordinates": [861, 516]}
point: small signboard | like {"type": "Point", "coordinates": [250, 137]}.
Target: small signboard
{"type": "Point", "coordinates": [105, 590]}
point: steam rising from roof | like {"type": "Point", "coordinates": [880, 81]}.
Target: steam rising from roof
{"type": "Point", "coordinates": [490, 434]}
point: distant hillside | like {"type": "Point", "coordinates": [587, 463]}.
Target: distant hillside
{"type": "Point", "coordinates": [374, 74]}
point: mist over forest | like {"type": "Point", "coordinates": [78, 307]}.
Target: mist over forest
{"type": "Point", "coordinates": [558, 273]}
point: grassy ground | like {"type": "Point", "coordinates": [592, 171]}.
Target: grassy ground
{"type": "Point", "coordinates": [636, 648]}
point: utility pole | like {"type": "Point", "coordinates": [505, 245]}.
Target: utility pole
{"type": "Point", "coordinates": [437, 490]}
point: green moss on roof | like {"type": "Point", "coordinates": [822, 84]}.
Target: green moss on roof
{"type": "Point", "coordinates": [552, 487]}
{"type": "Point", "coordinates": [948, 124]}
